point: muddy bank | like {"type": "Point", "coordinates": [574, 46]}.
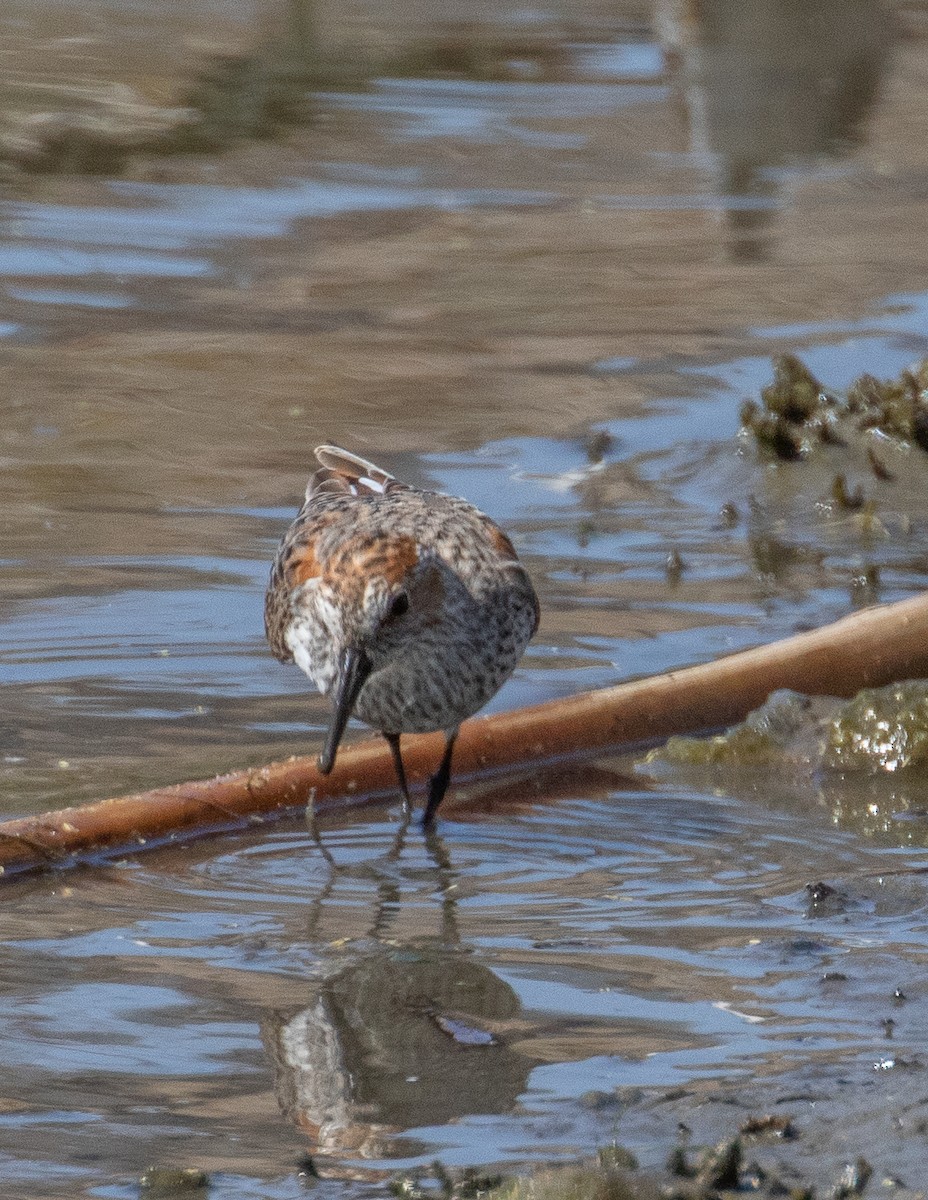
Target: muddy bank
{"type": "Point", "coordinates": [813, 1131]}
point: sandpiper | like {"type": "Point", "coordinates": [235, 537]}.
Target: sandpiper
{"type": "Point", "coordinates": [408, 607]}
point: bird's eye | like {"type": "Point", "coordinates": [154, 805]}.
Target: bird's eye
{"type": "Point", "coordinates": [399, 606]}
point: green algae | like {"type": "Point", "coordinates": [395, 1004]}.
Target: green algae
{"type": "Point", "coordinates": [775, 436]}
{"type": "Point", "coordinates": [165, 1183]}
{"type": "Point", "coordinates": [881, 729]}
{"type": "Point", "coordinates": [591, 1181]}
{"type": "Point", "coordinates": [741, 747]}
{"type": "Point", "coordinates": [897, 407]}
{"type": "Point", "coordinates": [776, 732]}
{"type": "Point", "coordinates": [795, 395]}
{"type": "Point", "coordinates": [793, 411]}
{"type": "Point", "coordinates": [797, 413]}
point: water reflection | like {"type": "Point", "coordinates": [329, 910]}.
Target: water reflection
{"type": "Point", "coordinates": [400, 1039]}
{"type": "Point", "coordinates": [456, 997]}
{"type": "Point", "coordinates": [411, 1032]}
{"type": "Point", "coordinates": [770, 87]}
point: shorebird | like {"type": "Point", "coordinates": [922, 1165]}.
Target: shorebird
{"type": "Point", "coordinates": [409, 608]}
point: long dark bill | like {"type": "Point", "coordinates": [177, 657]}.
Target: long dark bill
{"type": "Point", "coordinates": [354, 669]}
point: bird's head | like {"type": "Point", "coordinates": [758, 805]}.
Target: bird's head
{"type": "Point", "coordinates": [388, 591]}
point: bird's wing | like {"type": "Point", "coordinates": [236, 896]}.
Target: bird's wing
{"type": "Point", "coordinates": [300, 560]}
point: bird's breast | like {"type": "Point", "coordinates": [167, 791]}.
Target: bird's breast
{"type": "Point", "coordinates": [442, 677]}
{"type": "Point", "coordinates": [314, 638]}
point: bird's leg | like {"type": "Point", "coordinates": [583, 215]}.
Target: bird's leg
{"type": "Point", "coordinates": [395, 853]}
{"type": "Point", "coordinates": [447, 884]}
{"type": "Point", "coordinates": [393, 740]}
{"type": "Point", "coordinates": [438, 784]}
{"type": "Point", "coordinates": [313, 824]}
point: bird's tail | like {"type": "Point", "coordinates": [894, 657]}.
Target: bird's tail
{"type": "Point", "coordinates": [342, 471]}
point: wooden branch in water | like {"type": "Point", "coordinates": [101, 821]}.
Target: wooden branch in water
{"type": "Point", "coordinates": [869, 648]}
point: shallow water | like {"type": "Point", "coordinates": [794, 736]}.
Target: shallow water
{"type": "Point", "coordinates": [550, 295]}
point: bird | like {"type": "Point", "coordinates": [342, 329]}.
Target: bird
{"type": "Point", "coordinates": [409, 608]}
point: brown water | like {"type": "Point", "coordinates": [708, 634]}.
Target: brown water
{"type": "Point", "coordinates": [550, 292]}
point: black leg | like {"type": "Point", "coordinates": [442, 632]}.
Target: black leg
{"type": "Point", "coordinates": [438, 784]}
{"type": "Point", "coordinates": [393, 740]}
{"type": "Point", "coordinates": [447, 884]}
{"type": "Point", "coordinates": [317, 838]}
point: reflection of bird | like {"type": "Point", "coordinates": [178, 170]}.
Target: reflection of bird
{"type": "Point", "coordinates": [408, 607]}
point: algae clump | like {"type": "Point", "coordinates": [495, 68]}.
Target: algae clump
{"type": "Point", "coordinates": [795, 394]}
{"type": "Point", "coordinates": [897, 407]}
{"type": "Point", "coordinates": [588, 1182]}
{"type": "Point", "coordinates": [780, 729]}
{"type": "Point", "coordinates": [796, 412]}
{"type": "Point", "coordinates": [881, 729]}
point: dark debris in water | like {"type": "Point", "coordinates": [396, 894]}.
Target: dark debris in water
{"type": "Point", "coordinates": [797, 413]}
{"type": "Point", "coordinates": [720, 1167]}
{"type": "Point", "coordinates": [865, 586]}
{"type": "Point", "coordinates": [879, 467]}
{"type": "Point", "coordinates": [163, 1183]}
{"type": "Point", "coordinates": [844, 497]}
{"type": "Point", "coordinates": [440, 1182]}
{"type": "Point", "coordinates": [854, 1178]}
{"type": "Point", "coordinates": [728, 515]}
{"type": "Point", "coordinates": [473, 51]}
{"type": "Point", "coordinates": [616, 1158]}
{"type": "Point", "coordinates": [720, 1171]}
{"type": "Point", "coordinates": [716, 1171]}
{"type": "Point", "coordinates": [823, 900]}
{"type": "Point", "coordinates": [596, 1100]}
{"type": "Point", "coordinates": [712, 1172]}
{"type": "Point", "coordinates": [674, 566]}
{"type": "Point", "coordinates": [775, 1125]}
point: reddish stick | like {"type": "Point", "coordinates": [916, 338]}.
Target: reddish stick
{"type": "Point", "coordinates": [876, 646]}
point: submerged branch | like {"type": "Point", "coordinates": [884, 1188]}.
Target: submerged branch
{"type": "Point", "coordinates": [866, 649]}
